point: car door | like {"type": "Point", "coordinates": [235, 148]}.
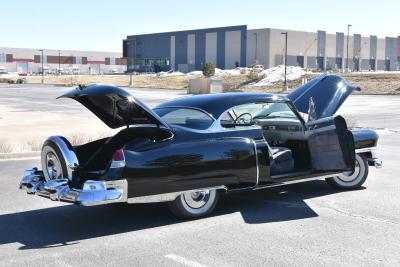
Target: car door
{"type": "Point", "coordinates": [330, 144]}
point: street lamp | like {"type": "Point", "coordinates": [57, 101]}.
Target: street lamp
{"type": "Point", "coordinates": [255, 53]}
{"type": "Point", "coordinates": [59, 62]}
{"type": "Point", "coordinates": [347, 50]}
{"type": "Point", "coordinates": [41, 59]}
{"type": "Point", "coordinates": [285, 83]}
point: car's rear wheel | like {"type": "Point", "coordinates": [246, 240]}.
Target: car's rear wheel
{"type": "Point", "coordinates": [352, 179]}
{"type": "Point", "coordinates": [53, 163]}
{"type": "Point", "coordinates": [195, 204]}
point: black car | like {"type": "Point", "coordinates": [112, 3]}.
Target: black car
{"type": "Point", "coordinates": [189, 150]}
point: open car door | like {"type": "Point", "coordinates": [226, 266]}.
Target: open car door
{"type": "Point", "coordinates": [331, 144]}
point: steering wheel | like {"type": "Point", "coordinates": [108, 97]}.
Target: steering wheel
{"type": "Point", "coordinates": [244, 118]}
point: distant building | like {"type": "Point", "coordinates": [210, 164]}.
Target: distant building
{"type": "Point", "coordinates": [26, 60]}
{"type": "Point", "coordinates": [228, 47]}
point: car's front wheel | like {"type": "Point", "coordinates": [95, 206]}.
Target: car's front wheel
{"type": "Point", "coordinates": [195, 204]}
{"type": "Point", "coordinates": [352, 179]}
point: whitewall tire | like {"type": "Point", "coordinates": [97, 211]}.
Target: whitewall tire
{"type": "Point", "coordinates": [195, 204]}
{"type": "Point", "coordinates": [351, 180]}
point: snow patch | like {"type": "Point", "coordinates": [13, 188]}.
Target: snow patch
{"type": "Point", "coordinates": [275, 74]}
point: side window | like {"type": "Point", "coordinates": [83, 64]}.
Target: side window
{"type": "Point", "coordinates": [190, 118]}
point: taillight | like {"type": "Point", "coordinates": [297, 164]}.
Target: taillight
{"type": "Point", "coordinates": [118, 159]}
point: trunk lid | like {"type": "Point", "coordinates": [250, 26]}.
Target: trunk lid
{"type": "Point", "coordinates": [114, 106]}
{"type": "Point", "coordinates": [322, 96]}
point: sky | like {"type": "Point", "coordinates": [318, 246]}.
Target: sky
{"type": "Point", "coordinates": [101, 25]}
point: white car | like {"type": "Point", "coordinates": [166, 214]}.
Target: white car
{"type": "Point", "coordinates": [7, 76]}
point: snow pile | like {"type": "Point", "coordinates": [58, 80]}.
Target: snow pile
{"type": "Point", "coordinates": [275, 74]}
{"type": "Point", "coordinates": [171, 73]}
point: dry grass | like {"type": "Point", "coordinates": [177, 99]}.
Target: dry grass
{"type": "Point", "coordinates": [141, 81]}
{"type": "Point", "coordinates": [370, 83]}
{"type": "Point", "coordinates": [5, 147]}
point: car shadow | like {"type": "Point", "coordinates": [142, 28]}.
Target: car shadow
{"type": "Point", "coordinates": [66, 225]}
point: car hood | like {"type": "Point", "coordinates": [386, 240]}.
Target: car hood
{"type": "Point", "coordinates": [322, 96]}
{"type": "Point", "coordinates": [114, 106]}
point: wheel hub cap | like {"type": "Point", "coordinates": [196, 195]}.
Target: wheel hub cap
{"type": "Point", "coordinates": [196, 199]}
{"type": "Point", "coordinates": [53, 166]}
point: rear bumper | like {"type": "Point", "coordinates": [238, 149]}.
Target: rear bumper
{"type": "Point", "coordinates": [372, 155]}
{"type": "Point", "coordinates": [92, 193]}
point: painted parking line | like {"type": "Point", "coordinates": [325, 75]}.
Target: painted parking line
{"type": "Point", "coordinates": [184, 261]}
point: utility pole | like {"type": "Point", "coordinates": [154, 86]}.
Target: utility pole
{"type": "Point", "coordinates": [255, 54]}
{"type": "Point", "coordinates": [347, 50]}
{"type": "Point", "coordinates": [41, 59]}
{"type": "Point", "coordinates": [285, 88]}
{"type": "Point", "coordinates": [59, 62]}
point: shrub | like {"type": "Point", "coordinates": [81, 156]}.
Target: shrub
{"type": "Point", "coordinates": [209, 69]}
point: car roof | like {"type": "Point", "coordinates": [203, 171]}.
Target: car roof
{"type": "Point", "coordinates": [216, 104]}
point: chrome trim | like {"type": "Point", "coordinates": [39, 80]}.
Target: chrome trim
{"type": "Point", "coordinates": [378, 163]}
{"type": "Point", "coordinates": [167, 197]}
{"type": "Point", "coordinates": [372, 149]}
{"type": "Point", "coordinates": [374, 155]}
{"type": "Point", "coordinates": [258, 169]}
{"type": "Point", "coordinates": [92, 192]}
{"type": "Point", "coordinates": [296, 181]}
{"type": "Point", "coordinates": [68, 154]}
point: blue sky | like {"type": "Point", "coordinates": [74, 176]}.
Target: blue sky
{"type": "Point", "coordinates": [101, 25]}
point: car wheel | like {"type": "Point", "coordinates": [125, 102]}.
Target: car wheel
{"type": "Point", "coordinates": [195, 204]}
{"type": "Point", "coordinates": [53, 163]}
{"type": "Point", "coordinates": [351, 180]}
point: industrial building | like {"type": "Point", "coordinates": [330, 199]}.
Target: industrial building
{"type": "Point", "coordinates": [229, 47]}
{"type": "Point", "coordinates": [30, 61]}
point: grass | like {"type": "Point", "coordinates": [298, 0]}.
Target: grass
{"type": "Point", "coordinates": [5, 147]}
{"type": "Point", "coordinates": [370, 83]}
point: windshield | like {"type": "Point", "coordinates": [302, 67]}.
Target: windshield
{"type": "Point", "coordinates": [186, 117]}
{"type": "Point", "coordinates": [275, 110]}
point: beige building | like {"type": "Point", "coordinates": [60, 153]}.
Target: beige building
{"type": "Point", "coordinates": [26, 60]}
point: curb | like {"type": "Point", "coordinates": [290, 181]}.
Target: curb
{"type": "Point", "coordinates": [19, 155]}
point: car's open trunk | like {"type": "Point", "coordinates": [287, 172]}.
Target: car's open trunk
{"type": "Point", "coordinates": [96, 156]}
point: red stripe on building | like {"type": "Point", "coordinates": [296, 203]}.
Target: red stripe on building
{"type": "Point", "coordinates": [96, 62]}
{"type": "Point", "coordinates": [22, 60]}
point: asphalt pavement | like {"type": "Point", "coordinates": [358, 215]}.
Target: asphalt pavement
{"type": "Point", "coordinates": [308, 224]}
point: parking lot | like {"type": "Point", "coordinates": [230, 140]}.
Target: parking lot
{"type": "Point", "coordinates": [303, 224]}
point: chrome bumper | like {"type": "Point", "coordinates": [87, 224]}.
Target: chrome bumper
{"type": "Point", "coordinates": [374, 155]}
{"type": "Point", "coordinates": [92, 192]}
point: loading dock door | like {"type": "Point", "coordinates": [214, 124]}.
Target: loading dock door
{"type": "Point", "coordinates": [22, 67]}
{"type": "Point", "coordinates": [387, 65]}
{"type": "Point", "coordinates": [300, 61]}
{"type": "Point", "coordinates": [372, 64]}
{"type": "Point", "coordinates": [320, 63]}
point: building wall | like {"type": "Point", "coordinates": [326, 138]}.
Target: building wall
{"type": "Point", "coordinates": [25, 60]}
{"type": "Point", "coordinates": [227, 46]}
{"type": "Point", "coordinates": [257, 51]}
{"type": "Point", "coordinates": [193, 48]}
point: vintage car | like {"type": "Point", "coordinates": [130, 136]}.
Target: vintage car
{"type": "Point", "coordinates": [189, 150]}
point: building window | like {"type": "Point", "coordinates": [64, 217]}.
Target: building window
{"type": "Point", "coordinates": [3, 57]}
{"type": "Point", "coordinates": [78, 60]}
{"type": "Point", "coordinates": [112, 61]}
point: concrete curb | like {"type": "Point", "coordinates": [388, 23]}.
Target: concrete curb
{"type": "Point", "coordinates": [19, 155]}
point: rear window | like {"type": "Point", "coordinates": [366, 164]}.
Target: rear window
{"type": "Point", "coordinates": [187, 117]}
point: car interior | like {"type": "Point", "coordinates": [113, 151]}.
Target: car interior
{"type": "Point", "coordinates": [283, 131]}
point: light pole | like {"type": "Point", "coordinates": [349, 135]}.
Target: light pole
{"type": "Point", "coordinates": [255, 53]}
{"type": "Point", "coordinates": [347, 50]}
{"type": "Point", "coordinates": [285, 83]}
{"type": "Point", "coordinates": [59, 62]}
{"type": "Point", "coordinates": [41, 59]}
